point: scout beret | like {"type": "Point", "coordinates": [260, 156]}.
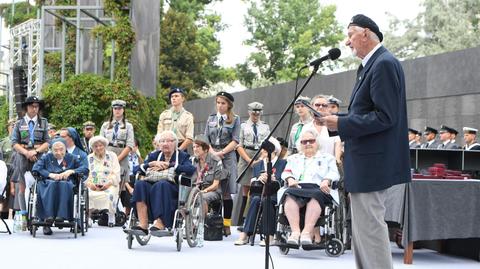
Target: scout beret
{"type": "Point", "coordinates": [175, 90]}
{"type": "Point", "coordinates": [226, 95]}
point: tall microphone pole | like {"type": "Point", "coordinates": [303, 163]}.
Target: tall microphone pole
{"type": "Point", "coordinates": [268, 198]}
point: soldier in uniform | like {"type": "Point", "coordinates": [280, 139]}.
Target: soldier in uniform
{"type": "Point", "coordinates": [412, 138]}
{"type": "Point", "coordinates": [223, 132]}
{"type": "Point", "coordinates": [447, 138]}
{"type": "Point", "coordinates": [119, 133]}
{"type": "Point", "coordinates": [177, 119]}
{"type": "Point", "coordinates": [430, 141]}
{"type": "Point", "coordinates": [304, 118]}
{"type": "Point", "coordinates": [30, 140]}
{"type": "Point", "coordinates": [252, 133]}
{"type": "Point", "coordinates": [88, 132]}
{"type": "Point", "coordinates": [470, 137]}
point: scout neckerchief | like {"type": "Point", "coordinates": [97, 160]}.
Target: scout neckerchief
{"type": "Point", "coordinates": [220, 120]}
{"type": "Point", "coordinates": [175, 116]}
{"type": "Point", "coordinates": [201, 172]}
{"type": "Point", "coordinates": [115, 130]}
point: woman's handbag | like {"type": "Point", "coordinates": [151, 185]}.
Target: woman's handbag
{"type": "Point", "coordinates": [155, 176]}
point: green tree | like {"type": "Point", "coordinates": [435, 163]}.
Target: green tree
{"type": "Point", "coordinates": [286, 34]}
{"type": "Point", "coordinates": [444, 25]}
{"type": "Point", "coordinates": [23, 12]}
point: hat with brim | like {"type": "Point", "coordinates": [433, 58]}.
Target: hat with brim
{"type": "Point", "coordinates": [430, 130]}
{"type": "Point", "coordinates": [119, 103]}
{"type": "Point", "coordinates": [32, 100]}
{"type": "Point", "coordinates": [470, 130]}
{"type": "Point", "coordinates": [226, 95]}
{"type": "Point", "coordinates": [447, 129]}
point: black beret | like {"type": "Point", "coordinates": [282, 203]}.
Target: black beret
{"type": "Point", "coordinates": [226, 95]}
{"type": "Point", "coordinates": [448, 129]}
{"type": "Point", "coordinates": [430, 130]}
{"type": "Point", "coordinates": [175, 90]}
{"type": "Point", "coordinates": [365, 22]}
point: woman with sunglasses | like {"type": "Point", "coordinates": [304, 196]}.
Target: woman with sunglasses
{"type": "Point", "coordinates": [308, 175]}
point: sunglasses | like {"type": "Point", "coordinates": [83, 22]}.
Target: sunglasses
{"type": "Point", "coordinates": [308, 141]}
{"type": "Point", "coordinates": [321, 105]}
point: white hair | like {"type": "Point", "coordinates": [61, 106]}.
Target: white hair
{"type": "Point", "coordinates": [165, 134]}
{"type": "Point", "coordinates": [313, 132]}
{"type": "Point", "coordinates": [96, 139]}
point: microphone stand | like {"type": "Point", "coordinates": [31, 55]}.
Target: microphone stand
{"type": "Point", "coordinates": [269, 165]}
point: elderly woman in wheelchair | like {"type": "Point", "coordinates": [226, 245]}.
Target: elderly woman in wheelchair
{"type": "Point", "coordinates": [104, 178]}
{"type": "Point", "coordinates": [57, 171]}
{"type": "Point", "coordinates": [257, 196]}
{"type": "Point", "coordinates": [209, 171]}
{"type": "Point", "coordinates": [155, 195]}
{"type": "Point", "coordinates": [308, 175]}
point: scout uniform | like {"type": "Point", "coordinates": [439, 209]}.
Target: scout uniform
{"type": "Point", "coordinates": [180, 122]}
{"type": "Point", "coordinates": [119, 136]}
{"type": "Point", "coordinates": [297, 128]}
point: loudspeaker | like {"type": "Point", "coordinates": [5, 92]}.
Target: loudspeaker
{"type": "Point", "coordinates": [20, 87]}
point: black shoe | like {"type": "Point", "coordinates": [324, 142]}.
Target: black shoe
{"type": "Point", "coordinates": [49, 220]}
{"type": "Point", "coordinates": [240, 228]}
{"type": "Point", "coordinates": [59, 219]}
{"type": "Point", "coordinates": [47, 230]}
{"type": "Point", "coordinates": [137, 230]}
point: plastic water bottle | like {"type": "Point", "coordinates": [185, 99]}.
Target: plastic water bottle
{"type": "Point", "coordinates": [23, 216]}
{"type": "Point", "coordinates": [200, 235]}
{"type": "Point", "coordinates": [17, 222]}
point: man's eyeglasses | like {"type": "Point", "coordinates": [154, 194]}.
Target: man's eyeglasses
{"type": "Point", "coordinates": [166, 141]}
{"type": "Point", "coordinates": [308, 141]}
{"type": "Point", "coordinates": [321, 105]}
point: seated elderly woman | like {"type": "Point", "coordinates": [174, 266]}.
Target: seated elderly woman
{"type": "Point", "coordinates": [259, 179]}
{"type": "Point", "coordinates": [55, 192]}
{"type": "Point", "coordinates": [104, 178]}
{"type": "Point", "coordinates": [309, 175]}
{"type": "Point", "coordinates": [155, 196]}
{"type": "Point", "coordinates": [209, 171]}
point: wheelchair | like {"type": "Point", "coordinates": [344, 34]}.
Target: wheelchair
{"type": "Point", "coordinates": [5, 173]}
{"type": "Point", "coordinates": [330, 220]}
{"type": "Point", "coordinates": [188, 217]}
{"type": "Point", "coordinates": [79, 222]}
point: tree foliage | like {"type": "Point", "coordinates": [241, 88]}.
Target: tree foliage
{"type": "Point", "coordinates": [23, 12]}
{"type": "Point", "coordinates": [443, 25]}
{"type": "Point", "coordinates": [189, 47]}
{"type": "Point", "coordinates": [88, 97]}
{"type": "Point", "coordinates": [286, 34]}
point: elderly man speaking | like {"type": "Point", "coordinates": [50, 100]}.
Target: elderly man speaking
{"type": "Point", "coordinates": [376, 141]}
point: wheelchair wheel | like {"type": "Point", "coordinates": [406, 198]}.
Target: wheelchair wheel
{"type": "Point", "coordinates": [284, 250]}
{"type": "Point", "coordinates": [142, 239]}
{"type": "Point", "coordinates": [179, 239]}
{"type": "Point", "coordinates": [194, 218]}
{"type": "Point", "coordinates": [33, 231]}
{"type": "Point", "coordinates": [334, 247]}
{"type": "Point", "coordinates": [129, 241]}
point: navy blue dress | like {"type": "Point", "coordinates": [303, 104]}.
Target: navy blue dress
{"type": "Point", "coordinates": [255, 200]}
{"type": "Point", "coordinates": [161, 197]}
{"type": "Point", "coordinates": [55, 198]}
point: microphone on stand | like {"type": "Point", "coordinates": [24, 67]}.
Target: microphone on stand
{"type": "Point", "coordinates": [333, 54]}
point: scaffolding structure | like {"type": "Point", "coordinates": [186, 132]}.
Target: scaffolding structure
{"type": "Point", "coordinates": [24, 52]}
{"type": "Point", "coordinates": [27, 44]}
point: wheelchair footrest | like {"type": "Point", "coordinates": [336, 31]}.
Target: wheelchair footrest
{"type": "Point", "coordinates": [317, 246]}
{"type": "Point", "coordinates": [162, 233]}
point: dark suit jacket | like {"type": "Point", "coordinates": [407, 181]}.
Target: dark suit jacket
{"type": "Point", "coordinates": [48, 164]}
{"type": "Point", "coordinates": [375, 128]}
{"type": "Point", "coordinates": [184, 163]}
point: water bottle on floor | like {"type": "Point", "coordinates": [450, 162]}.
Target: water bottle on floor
{"type": "Point", "coordinates": [200, 235]}
{"type": "Point", "coordinates": [23, 216]}
{"type": "Point", "coordinates": [17, 222]}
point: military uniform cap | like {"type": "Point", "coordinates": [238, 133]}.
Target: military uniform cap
{"type": "Point", "coordinates": [32, 99]}
{"type": "Point", "coordinates": [88, 124]}
{"type": "Point", "coordinates": [175, 90]}
{"type": "Point", "coordinates": [333, 100]}
{"type": "Point", "coordinates": [119, 103]}
{"type": "Point", "coordinates": [430, 130]}
{"type": "Point", "coordinates": [226, 95]}
{"type": "Point", "coordinates": [365, 22]}
{"type": "Point", "coordinates": [413, 131]}
{"type": "Point", "coordinates": [52, 126]}
{"type": "Point", "coordinates": [201, 139]}
{"type": "Point", "coordinates": [255, 106]}
{"type": "Point", "coordinates": [445, 128]}
{"type": "Point", "coordinates": [470, 130]}
{"type": "Point", "coordinates": [302, 99]}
